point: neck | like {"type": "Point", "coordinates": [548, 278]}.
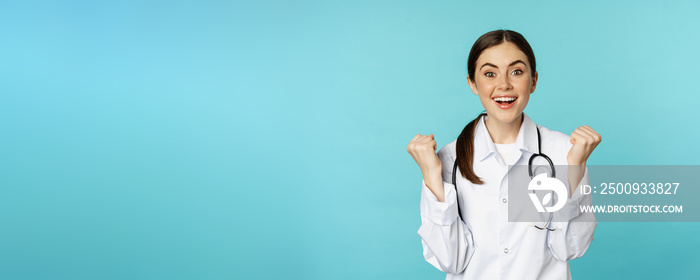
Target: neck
{"type": "Point", "coordinates": [504, 133]}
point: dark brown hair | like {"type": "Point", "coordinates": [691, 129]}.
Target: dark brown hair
{"type": "Point", "coordinates": [465, 141]}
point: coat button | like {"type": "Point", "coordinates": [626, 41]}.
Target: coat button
{"type": "Point", "coordinates": [505, 200]}
{"type": "Point", "coordinates": [505, 250]}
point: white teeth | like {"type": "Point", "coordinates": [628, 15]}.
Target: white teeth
{"type": "Point", "coordinates": [506, 99]}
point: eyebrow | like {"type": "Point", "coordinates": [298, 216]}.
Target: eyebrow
{"type": "Point", "coordinates": [509, 65]}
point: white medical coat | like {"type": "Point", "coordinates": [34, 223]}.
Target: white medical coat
{"type": "Point", "coordinates": [487, 246]}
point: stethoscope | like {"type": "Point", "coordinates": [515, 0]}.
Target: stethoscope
{"type": "Point", "coordinates": [530, 173]}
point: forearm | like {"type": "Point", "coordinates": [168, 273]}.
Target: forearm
{"type": "Point", "coordinates": [575, 174]}
{"type": "Point", "coordinates": [448, 243]}
{"type": "Point", "coordinates": [433, 179]}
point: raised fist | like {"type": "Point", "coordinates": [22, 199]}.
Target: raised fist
{"type": "Point", "coordinates": [422, 149]}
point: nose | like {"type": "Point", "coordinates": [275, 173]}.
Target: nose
{"type": "Point", "coordinates": [504, 82]}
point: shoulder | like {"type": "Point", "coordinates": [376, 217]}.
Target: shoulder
{"type": "Point", "coordinates": [553, 135]}
{"type": "Point", "coordinates": [554, 141]}
{"type": "Point", "coordinates": [448, 152]}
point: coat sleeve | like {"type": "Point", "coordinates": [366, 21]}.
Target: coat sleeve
{"type": "Point", "coordinates": [575, 229]}
{"type": "Point", "coordinates": [447, 240]}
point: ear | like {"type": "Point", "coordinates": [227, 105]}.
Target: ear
{"type": "Point", "coordinates": [472, 85]}
{"type": "Point", "coordinates": [534, 83]}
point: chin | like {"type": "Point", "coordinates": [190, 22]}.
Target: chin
{"type": "Point", "coordinates": [505, 116]}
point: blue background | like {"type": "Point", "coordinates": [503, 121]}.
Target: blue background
{"type": "Point", "coordinates": [267, 139]}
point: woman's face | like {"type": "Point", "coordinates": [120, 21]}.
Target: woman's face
{"type": "Point", "coordinates": [503, 81]}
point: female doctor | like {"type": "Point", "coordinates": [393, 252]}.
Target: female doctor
{"type": "Point", "coordinates": [479, 242]}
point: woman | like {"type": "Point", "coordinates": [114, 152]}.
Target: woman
{"type": "Point", "coordinates": [477, 241]}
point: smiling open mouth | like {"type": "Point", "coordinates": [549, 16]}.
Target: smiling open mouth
{"type": "Point", "coordinates": [505, 100]}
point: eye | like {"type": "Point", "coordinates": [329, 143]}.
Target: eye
{"type": "Point", "coordinates": [490, 74]}
{"type": "Point", "coordinates": [517, 72]}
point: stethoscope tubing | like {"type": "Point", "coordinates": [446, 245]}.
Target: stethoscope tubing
{"type": "Point", "coordinates": [530, 173]}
